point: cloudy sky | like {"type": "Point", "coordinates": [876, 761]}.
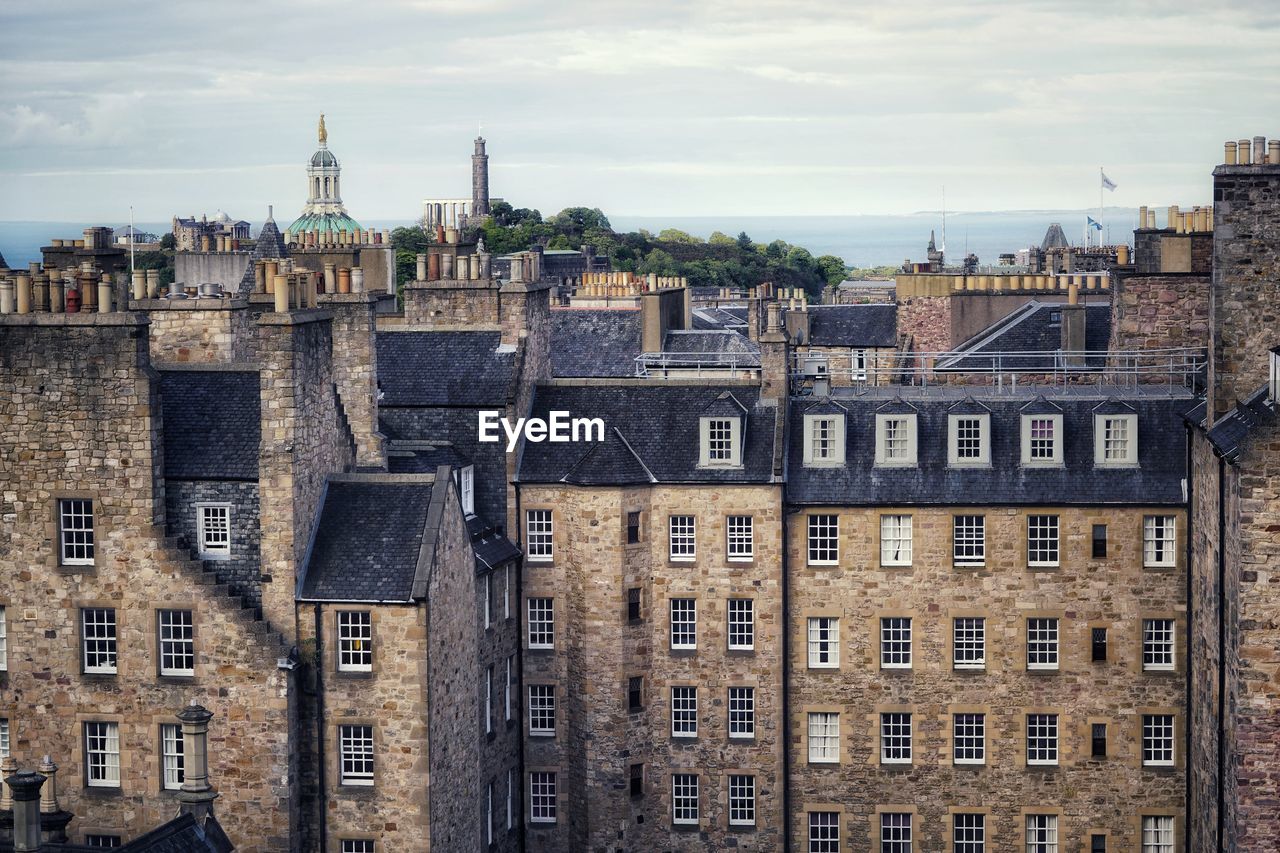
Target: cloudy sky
{"type": "Point", "coordinates": [658, 107]}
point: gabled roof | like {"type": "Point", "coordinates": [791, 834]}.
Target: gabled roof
{"type": "Point", "coordinates": [896, 406]}
{"type": "Point", "coordinates": [1232, 433]}
{"type": "Point", "coordinates": [968, 406]}
{"type": "Point", "coordinates": [1113, 406]}
{"type": "Point", "coordinates": [212, 424]}
{"type": "Point", "coordinates": [594, 342]}
{"type": "Point", "coordinates": [447, 368]}
{"type": "Point", "coordinates": [724, 406]}
{"type": "Point", "coordinates": [1040, 406]}
{"type": "Point", "coordinates": [183, 834]}
{"type": "Point", "coordinates": [491, 547]}
{"type": "Point", "coordinates": [270, 246]}
{"type": "Point", "coordinates": [853, 325]}
{"type": "Point", "coordinates": [824, 406]}
{"type": "Point", "coordinates": [610, 462]}
{"type": "Point", "coordinates": [1034, 327]}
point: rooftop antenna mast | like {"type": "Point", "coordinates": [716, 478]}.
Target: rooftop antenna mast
{"type": "Point", "coordinates": [132, 240]}
{"type": "Point", "coordinates": [944, 221]}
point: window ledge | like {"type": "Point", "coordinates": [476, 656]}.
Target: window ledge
{"type": "Point", "coordinates": [353, 674]}
{"type": "Point", "coordinates": [213, 558]}
{"type": "Point", "coordinates": [102, 791]}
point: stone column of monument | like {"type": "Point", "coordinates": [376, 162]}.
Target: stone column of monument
{"type": "Point", "coordinates": [479, 180]}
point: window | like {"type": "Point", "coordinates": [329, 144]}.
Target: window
{"type": "Point", "coordinates": [511, 800]}
{"type": "Point", "coordinates": [1115, 440]}
{"type": "Point", "coordinates": [1157, 834]}
{"type": "Point", "coordinates": [213, 523]}
{"type": "Point", "coordinates": [1099, 542]}
{"type": "Point", "coordinates": [969, 833]}
{"type": "Point", "coordinates": [1097, 844]}
{"type": "Point", "coordinates": [969, 446]}
{"type": "Point", "coordinates": [1157, 740]}
{"type": "Point", "coordinates": [895, 738]}
{"type": "Point", "coordinates": [488, 700]}
{"type": "Point", "coordinates": [969, 738]}
{"type": "Point", "coordinates": [684, 712]}
{"type": "Point", "coordinates": [488, 814]}
{"type": "Point", "coordinates": [75, 529]}
{"type": "Point", "coordinates": [682, 537]}
{"type": "Point", "coordinates": [858, 365]}
{"type": "Point", "coordinates": [1158, 534]}
{"type": "Point", "coordinates": [541, 623]}
{"type": "Point", "coordinates": [99, 633]}
{"type": "Point", "coordinates": [355, 641]}
{"type": "Point", "coordinates": [969, 642]}
{"type": "Point", "coordinates": [824, 832]}
{"type": "Point", "coordinates": [1098, 740]}
{"type": "Point", "coordinates": [684, 798]}
{"type": "Point", "coordinates": [1042, 738]}
{"type": "Point", "coordinates": [1042, 540]}
{"type": "Point", "coordinates": [824, 642]}
{"type": "Point", "coordinates": [1098, 645]}
{"type": "Point", "coordinates": [824, 440]}
{"type": "Point", "coordinates": [895, 540]}
{"type": "Point", "coordinates": [467, 490]}
{"type": "Point", "coordinates": [742, 712]}
{"type": "Point", "coordinates": [720, 444]}
{"type": "Point", "coordinates": [635, 693]}
{"type": "Point", "coordinates": [171, 756]}
{"type": "Point", "coordinates": [684, 623]}
{"type": "Point", "coordinates": [895, 642]}
{"type": "Point", "coordinates": [742, 624]}
{"type": "Point", "coordinates": [741, 544]}
{"type": "Point", "coordinates": [637, 780]}
{"type": "Point", "coordinates": [1042, 643]}
{"type": "Point", "coordinates": [4, 639]}
{"type": "Point", "coordinates": [896, 440]}
{"type": "Point", "coordinates": [633, 528]}
{"type": "Point", "coordinates": [507, 685]}
{"type": "Point", "coordinates": [108, 842]}
{"type": "Point", "coordinates": [542, 797]}
{"type": "Point", "coordinates": [177, 643]}
{"type": "Point", "coordinates": [538, 539]}
{"type": "Point", "coordinates": [969, 540]}
{"type": "Point", "coordinates": [895, 832]}
{"type": "Point", "coordinates": [824, 540]}
{"type": "Point", "coordinates": [1157, 644]}
{"type": "Point", "coordinates": [1042, 833]}
{"type": "Point", "coordinates": [742, 800]}
{"type": "Point", "coordinates": [633, 604]}
{"type": "Point", "coordinates": [4, 737]}
{"type": "Point", "coordinates": [102, 755]}
{"type": "Point", "coordinates": [542, 710]}
{"type": "Point", "coordinates": [506, 591]}
{"type": "Point", "coordinates": [1041, 440]}
{"type": "Point", "coordinates": [488, 601]}
{"type": "Point", "coordinates": [355, 744]}
{"type": "Point", "coordinates": [824, 737]}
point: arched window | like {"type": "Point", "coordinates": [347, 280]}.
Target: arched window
{"type": "Point", "coordinates": [316, 192]}
{"type": "Point", "coordinates": [326, 187]}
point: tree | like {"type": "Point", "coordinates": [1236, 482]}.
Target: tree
{"type": "Point", "coordinates": [675, 235]}
{"type": "Point", "coordinates": [168, 242]}
{"type": "Point", "coordinates": [832, 268]}
{"type": "Point", "coordinates": [744, 242]}
{"type": "Point", "coordinates": [410, 239]}
{"type": "Point", "coordinates": [719, 238]}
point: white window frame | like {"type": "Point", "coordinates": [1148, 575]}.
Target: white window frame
{"type": "Point", "coordinates": [102, 754]}
{"type": "Point", "coordinates": [177, 642]}
{"type": "Point", "coordinates": [1159, 644]}
{"type": "Point", "coordinates": [1159, 834]}
{"type": "Point", "coordinates": [542, 710]}
{"type": "Point", "coordinates": [5, 741]}
{"type": "Point", "coordinates": [741, 619]}
{"type": "Point", "coordinates": [1046, 637]}
{"type": "Point", "coordinates": [1159, 741]}
{"type": "Point", "coordinates": [1054, 458]}
{"type": "Point", "coordinates": [742, 713]}
{"type": "Point", "coordinates": [542, 796]}
{"type": "Point", "coordinates": [684, 711]}
{"type": "Point", "coordinates": [824, 737]}
{"type": "Point", "coordinates": [1042, 833]}
{"type": "Point", "coordinates": [973, 528]}
{"type": "Point", "coordinates": [896, 738]}
{"type": "Point", "coordinates": [4, 639]}
{"type": "Point", "coordinates": [682, 538]}
{"type": "Point", "coordinates": [506, 591]}
{"type": "Point", "coordinates": [488, 814]}
{"type": "Point", "coordinates": [894, 632]}
{"type": "Point", "coordinates": [858, 364]}
{"type": "Point", "coordinates": [726, 431]}
{"type": "Point", "coordinates": [488, 601]}
{"type": "Point", "coordinates": [983, 458]}
{"type": "Point", "coordinates": [742, 799]}
{"type": "Point", "coordinates": [511, 799]}
{"type": "Point", "coordinates": [356, 755]}
{"type": "Point", "coordinates": [969, 633]}
{"type": "Point", "coordinates": [213, 530]}
{"type": "Point", "coordinates": [76, 543]}
{"type": "Point", "coordinates": [683, 616]}
{"type": "Point", "coordinates": [824, 832]}
{"type": "Point", "coordinates": [488, 699]}
{"type": "Point", "coordinates": [506, 693]}
{"type": "Point", "coordinates": [887, 427]}
{"type": "Point", "coordinates": [99, 631]}
{"type": "Point", "coordinates": [545, 622]}
{"type": "Point", "coordinates": [824, 440]}
{"type": "Point", "coordinates": [1105, 454]}
{"type": "Point", "coordinates": [685, 793]}
{"type": "Point", "coordinates": [1159, 541]}
{"type": "Point", "coordinates": [172, 762]}
{"type": "Point", "coordinates": [1044, 733]}
{"type": "Point", "coordinates": [968, 832]}
{"type": "Point", "coordinates": [1044, 541]}
{"type": "Point", "coordinates": [818, 645]}
{"type": "Point", "coordinates": [823, 539]}
{"type": "Point", "coordinates": [896, 543]}
{"type": "Point", "coordinates": [740, 538]}
{"type": "Point", "coordinates": [969, 738]}
{"type": "Point", "coordinates": [467, 490]}
{"type": "Point", "coordinates": [355, 640]}
{"type": "Point", "coordinates": [539, 535]}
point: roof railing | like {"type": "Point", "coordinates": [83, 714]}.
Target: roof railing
{"type": "Point", "coordinates": [685, 364]}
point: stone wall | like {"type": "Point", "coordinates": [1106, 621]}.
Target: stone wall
{"type": "Point", "coordinates": [203, 331]}
{"type": "Point", "coordinates": [925, 321]}
{"type": "Point", "coordinates": [355, 370]}
{"type": "Point", "coordinates": [498, 645]}
{"type": "Point", "coordinates": [1157, 311]}
{"type": "Point", "coordinates": [242, 570]}
{"type": "Point", "coordinates": [192, 269]}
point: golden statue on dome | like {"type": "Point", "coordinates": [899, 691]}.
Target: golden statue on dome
{"type": "Point", "coordinates": [324, 135]}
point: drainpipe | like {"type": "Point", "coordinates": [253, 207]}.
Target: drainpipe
{"type": "Point", "coordinates": [1188, 716]}
{"type": "Point", "coordinates": [1222, 652]}
{"type": "Point", "coordinates": [324, 790]}
{"type": "Point", "coordinates": [786, 680]}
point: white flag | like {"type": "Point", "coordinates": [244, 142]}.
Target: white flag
{"type": "Point", "coordinates": [1107, 183]}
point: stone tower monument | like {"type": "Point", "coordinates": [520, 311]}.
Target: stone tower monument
{"type": "Point", "coordinates": [480, 180]}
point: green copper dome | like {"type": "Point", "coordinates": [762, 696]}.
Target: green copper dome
{"type": "Point", "coordinates": [334, 222]}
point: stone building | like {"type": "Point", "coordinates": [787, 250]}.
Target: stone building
{"type": "Point", "coordinates": [324, 211]}
{"type": "Point", "coordinates": [194, 235]}
{"type": "Point", "coordinates": [463, 213]}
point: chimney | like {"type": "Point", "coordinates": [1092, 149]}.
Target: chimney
{"type": "Point", "coordinates": [53, 820]}
{"type": "Point", "coordinates": [1073, 340]}
{"type": "Point", "coordinates": [25, 787]}
{"type": "Point", "coordinates": [196, 795]}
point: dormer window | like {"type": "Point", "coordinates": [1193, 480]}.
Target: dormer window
{"type": "Point", "coordinates": [896, 440]}
{"type": "Point", "coordinates": [824, 439]}
{"type": "Point", "coordinates": [969, 440]}
{"type": "Point", "coordinates": [1041, 440]}
{"type": "Point", "coordinates": [720, 433]}
{"type": "Point", "coordinates": [720, 444]}
{"type": "Point", "coordinates": [1115, 440]}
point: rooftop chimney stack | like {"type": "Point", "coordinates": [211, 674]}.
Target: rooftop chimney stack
{"type": "Point", "coordinates": [196, 795]}
{"type": "Point", "coordinates": [25, 787]}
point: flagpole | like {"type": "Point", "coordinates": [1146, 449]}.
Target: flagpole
{"type": "Point", "coordinates": [132, 240]}
{"type": "Point", "coordinates": [1102, 217]}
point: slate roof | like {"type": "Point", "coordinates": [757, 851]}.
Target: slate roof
{"type": "Point", "coordinates": [270, 246]}
{"type": "Point", "coordinates": [715, 317]}
{"type": "Point", "coordinates": [457, 427]}
{"type": "Point", "coordinates": [853, 325]}
{"type": "Point", "coordinates": [660, 426]}
{"type": "Point", "coordinates": [491, 547]}
{"type": "Point", "coordinates": [1156, 480]}
{"type": "Point", "coordinates": [1035, 327]}
{"type": "Point", "coordinates": [444, 368]}
{"type": "Point", "coordinates": [183, 834]}
{"type": "Point", "coordinates": [722, 342]}
{"type": "Point", "coordinates": [592, 342]}
{"type": "Point", "coordinates": [1233, 431]}
{"type": "Point", "coordinates": [212, 424]}
{"type": "Point", "coordinates": [367, 542]}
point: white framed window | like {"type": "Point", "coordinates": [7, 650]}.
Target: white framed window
{"type": "Point", "coordinates": [1115, 440]}
{"type": "Point", "coordinates": [1041, 440]}
{"type": "Point", "coordinates": [721, 443]}
{"type": "Point", "coordinates": [539, 543]}
{"type": "Point", "coordinates": [968, 441]}
{"type": "Point", "coordinates": [488, 700]}
{"type": "Point", "coordinates": [98, 630]}
{"type": "Point", "coordinates": [740, 537]}
{"type": "Point", "coordinates": [684, 623]}
{"type": "Point", "coordinates": [1157, 740]}
{"type": "Point", "coordinates": [895, 642]}
{"type": "Point", "coordinates": [1157, 834]}
{"type": "Point", "coordinates": [858, 365]}
{"type": "Point", "coordinates": [355, 749]}
{"type": "Point", "coordinates": [4, 737]}
{"type": "Point", "coordinates": [969, 738]}
{"type": "Point", "coordinates": [213, 527]}
{"type": "Point", "coordinates": [355, 641]}
{"type": "Point", "coordinates": [1157, 644]}
{"type": "Point", "coordinates": [823, 440]}
{"type": "Point", "coordinates": [177, 643]}
{"type": "Point", "coordinates": [682, 537]}
{"type": "Point", "coordinates": [467, 490]}
{"type": "Point", "coordinates": [102, 754]}
{"type": "Point", "coordinates": [171, 761]}
{"type": "Point", "coordinates": [895, 540]}
{"type": "Point", "coordinates": [742, 712]}
{"type": "Point", "coordinates": [1042, 643]}
{"type": "Point", "coordinates": [542, 710]}
{"type": "Point", "coordinates": [4, 639]}
{"type": "Point", "coordinates": [1042, 738]}
{"type": "Point", "coordinates": [895, 440]}
{"type": "Point", "coordinates": [969, 642]}
{"type": "Point", "coordinates": [824, 642]}
{"type": "Point", "coordinates": [895, 738]}
{"type": "Point", "coordinates": [895, 832]}
{"type": "Point", "coordinates": [541, 623]}
{"type": "Point", "coordinates": [742, 624]}
{"type": "Point", "coordinates": [1042, 833]}
{"type": "Point", "coordinates": [507, 684]}
{"type": "Point", "coordinates": [488, 814]}
{"type": "Point", "coordinates": [824, 540]}
{"type": "Point", "coordinates": [511, 799]}
{"type": "Point", "coordinates": [1159, 538]}
{"type": "Point", "coordinates": [684, 798]}
{"type": "Point", "coordinates": [542, 797]}
{"type": "Point", "coordinates": [742, 800]}
{"type": "Point", "coordinates": [488, 601]}
{"type": "Point", "coordinates": [824, 832]}
{"type": "Point", "coordinates": [824, 737]}
{"type": "Point", "coordinates": [969, 540]}
{"type": "Point", "coordinates": [684, 712]}
{"type": "Point", "coordinates": [75, 531]}
{"type": "Point", "coordinates": [357, 845]}
{"type": "Point", "coordinates": [969, 832]}
{"type": "Point", "coordinates": [1042, 540]}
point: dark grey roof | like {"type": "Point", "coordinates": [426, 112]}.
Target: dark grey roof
{"type": "Point", "coordinates": [1234, 430]}
{"type": "Point", "coordinates": [183, 834]}
{"type": "Point", "coordinates": [721, 342]}
{"type": "Point", "coordinates": [660, 425]}
{"type": "Point", "coordinates": [367, 541]}
{"type": "Point", "coordinates": [609, 462]}
{"type": "Point", "coordinates": [270, 246]}
{"type": "Point", "coordinates": [3, 264]}
{"type": "Point", "coordinates": [591, 342]}
{"type": "Point", "coordinates": [491, 547]}
{"type": "Point", "coordinates": [457, 427]}
{"type": "Point", "coordinates": [1035, 327]}
{"type": "Point", "coordinates": [212, 424]}
{"type": "Point", "coordinates": [853, 325]}
{"type": "Point", "coordinates": [716, 317]}
{"type": "Point", "coordinates": [1156, 480]}
{"type": "Point", "coordinates": [444, 368]}
{"type": "Point", "coordinates": [1054, 238]}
